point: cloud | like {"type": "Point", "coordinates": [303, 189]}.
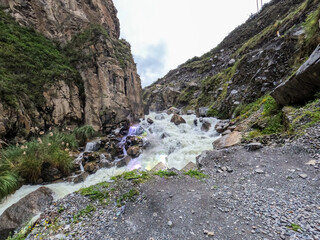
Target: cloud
{"type": "Point", "coordinates": [150, 62]}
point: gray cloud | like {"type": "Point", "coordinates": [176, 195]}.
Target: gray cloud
{"type": "Point", "coordinates": [151, 65]}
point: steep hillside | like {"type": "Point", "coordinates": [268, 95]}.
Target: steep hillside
{"type": "Point", "coordinates": [62, 63]}
{"type": "Point", "coordinates": [247, 65]}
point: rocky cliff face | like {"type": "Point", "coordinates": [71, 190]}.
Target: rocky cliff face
{"type": "Point", "coordinates": [107, 89]}
{"type": "Point", "coordinates": [248, 64]}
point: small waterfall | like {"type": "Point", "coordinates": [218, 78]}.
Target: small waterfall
{"type": "Point", "coordinates": [78, 161]}
{"type": "Point", "coordinates": [92, 147]}
{"type": "Point", "coordinates": [135, 130]}
{"type": "Point", "coordinates": [102, 158]}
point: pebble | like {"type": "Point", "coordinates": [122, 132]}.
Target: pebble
{"type": "Point", "coordinates": [259, 171]}
{"type": "Point", "coordinates": [303, 175]}
{"type": "Point", "coordinates": [170, 224]}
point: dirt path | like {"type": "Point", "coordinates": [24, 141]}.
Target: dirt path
{"type": "Point", "coordinates": [263, 194]}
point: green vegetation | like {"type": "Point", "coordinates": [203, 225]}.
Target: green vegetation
{"type": "Point", "coordinates": [84, 133]}
{"type": "Point", "coordinates": [92, 35]}
{"type": "Point", "coordinates": [311, 26]}
{"type": "Point", "coordinates": [84, 212]}
{"type": "Point", "coordinates": [272, 29]}
{"type": "Point", "coordinates": [97, 192]}
{"type": "Point", "coordinates": [61, 209]}
{"type": "Point", "coordinates": [305, 116]}
{"type": "Point", "coordinates": [9, 180]}
{"type": "Point", "coordinates": [128, 196]}
{"type": "Point", "coordinates": [29, 63]}
{"type": "Point", "coordinates": [200, 64]}
{"type": "Point", "coordinates": [165, 173]}
{"type": "Point", "coordinates": [196, 174]}
{"type": "Point", "coordinates": [26, 161]}
{"type": "Point", "coordinates": [268, 118]}
{"type": "Point", "coordinates": [135, 176]}
{"type": "Point", "coordinates": [295, 227]}
{"type": "Point", "coordinates": [186, 96]}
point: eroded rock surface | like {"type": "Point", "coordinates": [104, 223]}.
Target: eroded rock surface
{"type": "Point", "coordinates": [109, 90]}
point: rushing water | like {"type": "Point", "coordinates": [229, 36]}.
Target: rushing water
{"type": "Point", "coordinates": [173, 145]}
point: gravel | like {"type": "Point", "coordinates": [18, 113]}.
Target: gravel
{"type": "Point", "coordinates": [281, 203]}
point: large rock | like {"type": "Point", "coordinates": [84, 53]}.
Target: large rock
{"type": "Point", "coordinates": [222, 126]}
{"type": "Point", "coordinates": [177, 120]}
{"type": "Point", "coordinates": [303, 85]}
{"type": "Point", "coordinates": [133, 151]}
{"type": "Point", "coordinates": [22, 211]}
{"type": "Point", "coordinates": [205, 126]}
{"type": "Point", "coordinates": [228, 140]}
{"type": "Point", "coordinates": [123, 161]}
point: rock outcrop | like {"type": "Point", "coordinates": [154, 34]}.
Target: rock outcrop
{"type": "Point", "coordinates": [22, 211]}
{"type": "Point", "coordinates": [303, 85]}
{"type": "Point", "coordinates": [108, 91]}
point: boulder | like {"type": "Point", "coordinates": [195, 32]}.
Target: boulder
{"type": "Point", "coordinates": [134, 151]}
{"type": "Point", "coordinates": [228, 140]}
{"type": "Point", "coordinates": [164, 135]}
{"type": "Point", "coordinates": [222, 126]}
{"type": "Point", "coordinates": [303, 85]}
{"type": "Point", "coordinates": [205, 127]}
{"type": "Point", "coordinates": [202, 112]}
{"type": "Point", "coordinates": [150, 121]}
{"type": "Point", "coordinates": [123, 161]}
{"type": "Point", "coordinates": [105, 164]}
{"type": "Point", "coordinates": [253, 146]}
{"type": "Point", "coordinates": [190, 112]}
{"type": "Point", "coordinates": [189, 166]}
{"type": "Point", "coordinates": [158, 167]}
{"type": "Point", "coordinates": [91, 167]}
{"type": "Point", "coordinates": [226, 132]}
{"type": "Point", "coordinates": [21, 212]}
{"type": "Point", "coordinates": [50, 174]}
{"type": "Point", "coordinates": [177, 120]}
{"type": "Point", "coordinates": [81, 177]}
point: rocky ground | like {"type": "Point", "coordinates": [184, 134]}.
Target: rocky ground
{"type": "Point", "coordinates": [269, 193]}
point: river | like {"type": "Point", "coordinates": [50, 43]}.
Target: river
{"type": "Point", "coordinates": [173, 145]}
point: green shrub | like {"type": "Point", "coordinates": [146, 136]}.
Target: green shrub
{"type": "Point", "coordinates": [27, 160]}
{"type": "Point", "coordinates": [165, 173]}
{"type": "Point", "coordinates": [84, 133]}
{"type": "Point", "coordinates": [96, 192]}
{"type": "Point", "coordinates": [128, 196]}
{"type": "Point", "coordinates": [196, 174]}
{"type": "Point", "coordinates": [8, 181]}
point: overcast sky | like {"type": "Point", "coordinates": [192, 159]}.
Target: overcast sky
{"type": "Point", "coordinates": [165, 33]}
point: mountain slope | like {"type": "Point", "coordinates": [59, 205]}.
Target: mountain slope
{"type": "Point", "coordinates": [248, 64]}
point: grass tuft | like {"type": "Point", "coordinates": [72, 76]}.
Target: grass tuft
{"type": "Point", "coordinates": [84, 133]}
{"type": "Point", "coordinates": [196, 174]}
{"type": "Point", "coordinates": [165, 173]}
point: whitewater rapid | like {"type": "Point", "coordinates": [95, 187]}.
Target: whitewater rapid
{"type": "Point", "coordinates": [175, 146]}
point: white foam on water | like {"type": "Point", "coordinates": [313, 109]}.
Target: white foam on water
{"type": "Point", "coordinates": [181, 146]}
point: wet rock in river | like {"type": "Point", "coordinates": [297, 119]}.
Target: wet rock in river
{"type": "Point", "coordinates": [222, 126]}
{"type": "Point", "coordinates": [123, 161]}
{"type": "Point", "coordinates": [150, 121]}
{"type": "Point", "coordinates": [134, 151]}
{"type": "Point", "coordinates": [177, 120]}
{"type": "Point", "coordinates": [205, 126]}
{"type": "Point", "coordinates": [91, 167]}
